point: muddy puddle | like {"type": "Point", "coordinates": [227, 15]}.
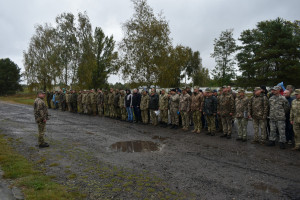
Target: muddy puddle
{"type": "Point", "coordinates": [135, 146]}
{"type": "Point", "coordinates": [265, 187]}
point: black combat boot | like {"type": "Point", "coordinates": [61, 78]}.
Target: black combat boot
{"type": "Point", "coordinates": [270, 143]}
{"type": "Point", "coordinates": [282, 145]}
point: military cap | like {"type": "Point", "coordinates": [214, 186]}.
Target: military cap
{"type": "Point", "coordinates": [276, 88]}
{"type": "Point", "coordinates": [208, 90]}
{"type": "Point", "coordinates": [241, 90]}
{"type": "Point", "coordinates": [257, 88]}
{"type": "Point", "coordinates": [196, 87]}
{"type": "Point", "coordinates": [41, 92]}
{"type": "Point", "coordinates": [297, 91]}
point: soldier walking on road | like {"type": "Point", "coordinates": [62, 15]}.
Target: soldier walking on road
{"type": "Point", "coordinates": [145, 106]}
{"type": "Point", "coordinates": [185, 109]}
{"type": "Point", "coordinates": [279, 106]}
{"type": "Point", "coordinates": [210, 111]}
{"type": "Point", "coordinates": [153, 106]}
{"type": "Point", "coordinates": [174, 109]}
{"type": "Point", "coordinates": [241, 115]}
{"type": "Point", "coordinates": [226, 111]}
{"type": "Point", "coordinates": [41, 117]}
{"type": "Point", "coordinates": [295, 119]}
{"type": "Point", "coordinates": [163, 108]}
{"type": "Point", "coordinates": [196, 108]}
{"type": "Point", "coordinates": [258, 109]}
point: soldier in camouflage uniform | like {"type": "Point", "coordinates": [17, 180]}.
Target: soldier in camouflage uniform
{"type": "Point", "coordinates": [116, 104]}
{"type": "Point", "coordinates": [144, 106]}
{"type": "Point", "coordinates": [100, 102]}
{"type": "Point", "coordinates": [68, 101]}
{"type": "Point", "coordinates": [163, 108]}
{"type": "Point", "coordinates": [226, 111]}
{"type": "Point", "coordinates": [93, 102]}
{"type": "Point", "coordinates": [62, 100]}
{"type": "Point", "coordinates": [258, 109]}
{"type": "Point", "coordinates": [279, 106]}
{"type": "Point", "coordinates": [84, 102]}
{"type": "Point", "coordinates": [196, 107]}
{"type": "Point", "coordinates": [220, 127]}
{"type": "Point", "coordinates": [74, 97]}
{"type": "Point", "coordinates": [210, 111]}
{"type": "Point", "coordinates": [122, 105]}
{"type": "Point", "coordinates": [105, 106]}
{"type": "Point", "coordinates": [153, 106]}
{"type": "Point", "coordinates": [185, 109]}
{"type": "Point", "coordinates": [111, 96]}
{"type": "Point", "coordinates": [241, 115]}
{"type": "Point", "coordinates": [79, 102]}
{"type": "Point", "coordinates": [174, 108]}
{"type": "Point", "coordinates": [295, 119]}
{"type": "Point", "coordinates": [41, 116]}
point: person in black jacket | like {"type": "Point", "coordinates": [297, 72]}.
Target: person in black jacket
{"type": "Point", "coordinates": [153, 106]}
{"type": "Point", "coordinates": [210, 111]}
{"type": "Point", "coordinates": [128, 105]}
{"type": "Point", "coordinates": [136, 101]}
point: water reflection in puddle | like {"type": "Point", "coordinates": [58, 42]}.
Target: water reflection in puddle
{"type": "Point", "coordinates": [135, 146]}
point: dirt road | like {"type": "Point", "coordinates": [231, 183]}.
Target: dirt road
{"type": "Point", "coordinates": [101, 158]}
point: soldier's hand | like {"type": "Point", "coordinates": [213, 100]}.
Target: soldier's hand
{"type": "Point", "coordinates": [292, 122]}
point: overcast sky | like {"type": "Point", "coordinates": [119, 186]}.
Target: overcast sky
{"type": "Point", "coordinates": [193, 23]}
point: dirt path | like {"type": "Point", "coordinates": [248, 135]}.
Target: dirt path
{"type": "Point", "coordinates": [181, 165]}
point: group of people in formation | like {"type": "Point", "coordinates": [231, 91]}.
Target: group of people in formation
{"type": "Point", "coordinates": [275, 115]}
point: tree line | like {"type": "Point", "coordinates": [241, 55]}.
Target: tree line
{"type": "Point", "coordinates": [73, 53]}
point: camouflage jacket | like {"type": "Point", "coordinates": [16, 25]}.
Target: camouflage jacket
{"type": "Point", "coordinates": [279, 106]}
{"type": "Point", "coordinates": [40, 110]}
{"type": "Point", "coordinates": [116, 99]}
{"type": "Point", "coordinates": [295, 111]}
{"type": "Point", "coordinates": [79, 99]}
{"type": "Point", "coordinates": [226, 105]}
{"type": "Point", "coordinates": [163, 102]}
{"type": "Point", "coordinates": [111, 97]}
{"type": "Point", "coordinates": [144, 105]}
{"type": "Point", "coordinates": [174, 101]}
{"type": "Point", "coordinates": [105, 99]}
{"type": "Point", "coordinates": [84, 98]}
{"type": "Point", "coordinates": [122, 101]}
{"type": "Point", "coordinates": [100, 98]}
{"type": "Point", "coordinates": [258, 107]}
{"type": "Point", "coordinates": [210, 106]}
{"type": "Point", "coordinates": [62, 97]}
{"type": "Point", "coordinates": [68, 98]}
{"type": "Point", "coordinates": [241, 107]}
{"type": "Point", "coordinates": [185, 103]}
{"type": "Point", "coordinates": [74, 98]}
{"type": "Point", "coordinates": [197, 101]}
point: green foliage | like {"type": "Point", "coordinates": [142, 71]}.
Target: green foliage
{"type": "Point", "coordinates": [270, 54]}
{"type": "Point", "coordinates": [224, 48]}
{"type": "Point", "coordinates": [201, 78]}
{"type": "Point", "coordinates": [9, 77]}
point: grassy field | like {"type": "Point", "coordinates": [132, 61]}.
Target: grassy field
{"type": "Point", "coordinates": [35, 185]}
{"type": "Point", "coordinates": [27, 99]}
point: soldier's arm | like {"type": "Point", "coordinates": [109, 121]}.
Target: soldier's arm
{"type": "Point", "coordinates": [201, 102]}
{"type": "Point", "coordinates": [250, 107]}
{"type": "Point", "coordinates": [266, 107]}
{"type": "Point", "coordinates": [292, 113]}
{"type": "Point", "coordinates": [232, 108]}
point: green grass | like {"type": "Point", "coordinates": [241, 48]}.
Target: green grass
{"type": "Point", "coordinates": [27, 99]}
{"type": "Point", "coordinates": [35, 185]}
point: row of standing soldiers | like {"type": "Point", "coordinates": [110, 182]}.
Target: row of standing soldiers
{"type": "Point", "coordinates": [218, 109]}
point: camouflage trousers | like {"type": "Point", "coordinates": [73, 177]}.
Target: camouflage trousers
{"type": "Point", "coordinates": [111, 110]}
{"type": "Point", "coordinates": [117, 112]}
{"type": "Point", "coordinates": [41, 128]}
{"type": "Point", "coordinates": [296, 128]}
{"type": "Point", "coordinates": [85, 108]}
{"type": "Point", "coordinates": [69, 106]}
{"type": "Point", "coordinates": [123, 113]}
{"type": "Point", "coordinates": [197, 120]}
{"type": "Point", "coordinates": [80, 108]}
{"type": "Point", "coordinates": [174, 116]}
{"type": "Point", "coordinates": [106, 110]}
{"type": "Point", "coordinates": [185, 116]}
{"type": "Point", "coordinates": [154, 117]}
{"type": "Point", "coordinates": [227, 124]}
{"type": "Point", "coordinates": [280, 125]}
{"type": "Point", "coordinates": [94, 109]}
{"type": "Point", "coordinates": [164, 116]}
{"type": "Point", "coordinates": [260, 124]}
{"type": "Point", "coordinates": [145, 118]}
{"type": "Point", "coordinates": [211, 125]}
{"type": "Point", "coordinates": [242, 127]}
{"type": "Point", "coordinates": [100, 110]}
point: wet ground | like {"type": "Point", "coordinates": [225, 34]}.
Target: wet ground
{"type": "Point", "coordinates": [107, 158]}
